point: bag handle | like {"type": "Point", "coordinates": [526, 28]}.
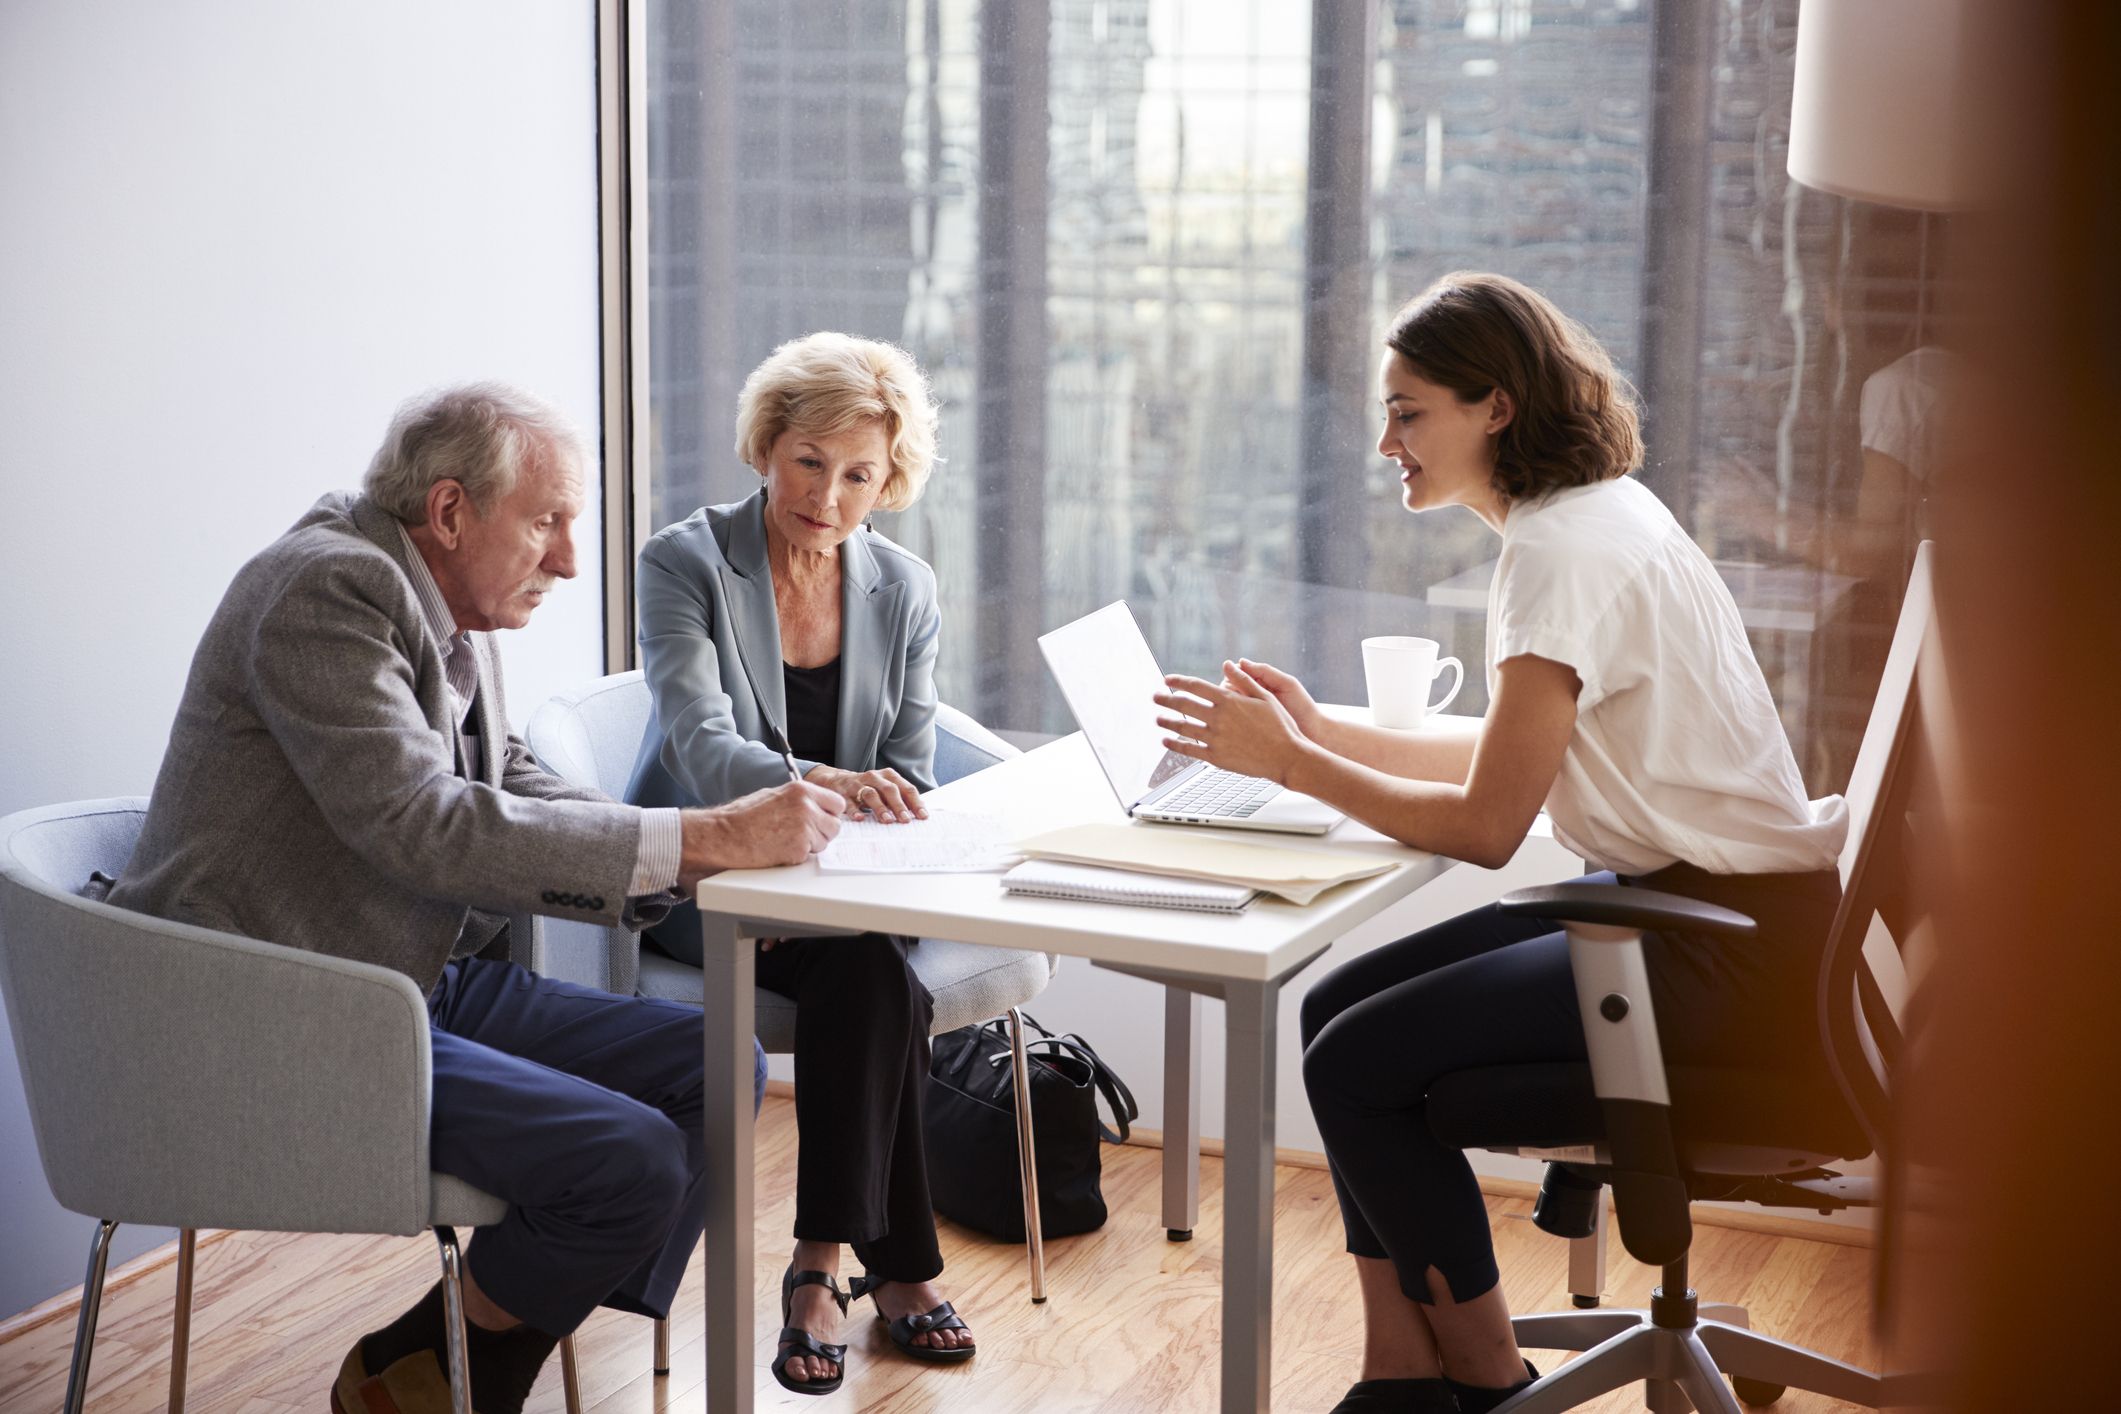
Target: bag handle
{"type": "Point", "coordinates": [1118, 1098]}
{"type": "Point", "coordinates": [1124, 1110]}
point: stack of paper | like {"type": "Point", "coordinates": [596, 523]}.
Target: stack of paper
{"type": "Point", "coordinates": [947, 842]}
{"type": "Point", "coordinates": [1298, 875]}
{"type": "Point", "coordinates": [1092, 883]}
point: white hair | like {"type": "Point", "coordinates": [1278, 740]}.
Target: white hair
{"type": "Point", "coordinates": [479, 435]}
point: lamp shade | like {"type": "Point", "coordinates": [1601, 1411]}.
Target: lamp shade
{"type": "Point", "coordinates": [1882, 108]}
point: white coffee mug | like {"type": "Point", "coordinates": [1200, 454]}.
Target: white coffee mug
{"type": "Point", "coordinates": [1401, 672]}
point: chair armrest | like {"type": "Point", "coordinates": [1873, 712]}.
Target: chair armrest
{"type": "Point", "coordinates": [1620, 1037]}
{"type": "Point", "coordinates": [1617, 906]}
{"type": "Point", "coordinates": [586, 954]}
{"type": "Point", "coordinates": [185, 1077]}
{"type": "Point", "coordinates": [963, 746]}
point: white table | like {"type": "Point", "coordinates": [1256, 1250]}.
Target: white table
{"type": "Point", "coordinates": [1243, 959]}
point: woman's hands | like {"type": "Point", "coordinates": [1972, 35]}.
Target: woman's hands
{"type": "Point", "coordinates": [884, 794]}
{"type": "Point", "coordinates": [1241, 725]}
{"type": "Point", "coordinates": [1294, 698]}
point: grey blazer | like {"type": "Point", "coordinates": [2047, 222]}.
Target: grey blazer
{"type": "Point", "coordinates": [706, 602]}
{"type": "Point", "coordinates": [311, 794]}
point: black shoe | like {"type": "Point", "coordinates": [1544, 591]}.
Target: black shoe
{"type": "Point", "coordinates": [1398, 1397]}
{"type": "Point", "coordinates": [905, 1328]}
{"type": "Point", "coordinates": [794, 1340]}
{"type": "Point", "coordinates": [1479, 1399]}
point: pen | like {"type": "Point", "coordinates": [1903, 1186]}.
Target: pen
{"type": "Point", "coordinates": [780, 744]}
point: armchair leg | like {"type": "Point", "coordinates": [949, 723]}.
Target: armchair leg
{"type": "Point", "coordinates": [85, 1328]}
{"type": "Point", "coordinates": [570, 1376]}
{"type": "Point", "coordinates": [180, 1333]}
{"type": "Point", "coordinates": [662, 1346]}
{"type": "Point", "coordinates": [453, 1320]}
{"type": "Point", "coordinates": [1027, 1156]}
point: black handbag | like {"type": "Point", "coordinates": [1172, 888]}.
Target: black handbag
{"type": "Point", "coordinates": [970, 1126]}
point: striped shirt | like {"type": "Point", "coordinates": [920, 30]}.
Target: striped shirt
{"type": "Point", "coordinates": [655, 867]}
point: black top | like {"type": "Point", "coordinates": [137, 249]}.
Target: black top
{"type": "Point", "coordinates": [813, 711]}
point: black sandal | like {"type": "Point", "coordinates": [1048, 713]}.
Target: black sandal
{"type": "Point", "coordinates": [794, 1340]}
{"type": "Point", "coordinates": [905, 1328]}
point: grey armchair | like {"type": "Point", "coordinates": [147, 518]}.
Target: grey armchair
{"type": "Point", "coordinates": [591, 735]}
{"type": "Point", "coordinates": [183, 1077]}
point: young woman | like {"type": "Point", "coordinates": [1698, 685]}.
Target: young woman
{"type": "Point", "coordinates": [1626, 701]}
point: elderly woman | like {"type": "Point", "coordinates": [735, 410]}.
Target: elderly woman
{"type": "Point", "coordinates": [1626, 700]}
{"type": "Point", "coordinates": [783, 621]}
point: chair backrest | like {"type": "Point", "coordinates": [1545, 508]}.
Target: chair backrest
{"type": "Point", "coordinates": [592, 735]}
{"type": "Point", "coordinates": [184, 1077]}
{"type": "Point", "coordinates": [1863, 1042]}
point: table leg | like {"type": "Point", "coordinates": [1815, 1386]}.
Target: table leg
{"type": "Point", "coordinates": [1181, 1113]}
{"type": "Point", "coordinates": [1248, 1197]}
{"type": "Point", "coordinates": [729, 965]}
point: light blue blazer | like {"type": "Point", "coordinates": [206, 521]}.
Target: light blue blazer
{"type": "Point", "coordinates": [705, 597]}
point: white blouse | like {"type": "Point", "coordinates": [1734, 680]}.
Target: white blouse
{"type": "Point", "coordinates": [1678, 754]}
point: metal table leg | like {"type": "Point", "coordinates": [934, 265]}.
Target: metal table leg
{"type": "Point", "coordinates": [1181, 1113]}
{"type": "Point", "coordinates": [1248, 1197]}
{"type": "Point", "coordinates": [729, 965]}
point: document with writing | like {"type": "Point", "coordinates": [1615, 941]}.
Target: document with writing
{"type": "Point", "coordinates": [947, 842]}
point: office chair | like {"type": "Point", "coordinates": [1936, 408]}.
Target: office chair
{"type": "Point", "coordinates": [184, 1077]}
{"type": "Point", "coordinates": [591, 735]}
{"type": "Point", "coordinates": [1662, 1136]}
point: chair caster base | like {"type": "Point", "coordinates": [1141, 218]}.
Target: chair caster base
{"type": "Point", "coordinates": [1584, 1303]}
{"type": "Point", "coordinates": [1179, 1234]}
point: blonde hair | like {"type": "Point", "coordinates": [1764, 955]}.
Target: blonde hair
{"type": "Point", "coordinates": [829, 383]}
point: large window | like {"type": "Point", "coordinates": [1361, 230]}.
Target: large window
{"type": "Point", "coordinates": [1145, 249]}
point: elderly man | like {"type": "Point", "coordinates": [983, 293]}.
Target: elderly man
{"type": "Point", "coordinates": [341, 777]}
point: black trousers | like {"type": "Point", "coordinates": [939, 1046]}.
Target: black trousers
{"type": "Point", "coordinates": [861, 1068]}
{"type": "Point", "coordinates": [1483, 989]}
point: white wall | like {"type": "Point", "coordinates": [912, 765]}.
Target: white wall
{"type": "Point", "coordinates": [232, 237]}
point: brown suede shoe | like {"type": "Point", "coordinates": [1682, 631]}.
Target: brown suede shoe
{"type": "Point", "coordinates": [414, 1385]}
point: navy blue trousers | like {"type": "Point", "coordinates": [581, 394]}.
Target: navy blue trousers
{"type": "Point", "coordinates": [1484, 989]}
{"type": "Point", "coordinates": [584, 1111]}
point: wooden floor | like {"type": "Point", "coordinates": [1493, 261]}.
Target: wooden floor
{"type": "Point", "coordinates": [1131, 1323]}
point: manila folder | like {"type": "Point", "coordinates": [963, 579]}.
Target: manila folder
{"type": "Point", "coordinates": [1298, 875]}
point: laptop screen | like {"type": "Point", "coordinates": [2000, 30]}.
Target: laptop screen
{"type": "Point", "coordinates": [1107, 673]}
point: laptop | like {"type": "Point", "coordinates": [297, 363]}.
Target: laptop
{"type": "Point", "coordinates": [1107, 673]}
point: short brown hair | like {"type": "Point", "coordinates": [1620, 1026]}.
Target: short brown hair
{"type": "Point", "coordinates": [829, 382]}
{"type": "Point", "coordinates": [1574, 421]}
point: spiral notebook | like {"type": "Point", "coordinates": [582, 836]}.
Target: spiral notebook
{"type": "Point", "coordinates": [1052, 878]}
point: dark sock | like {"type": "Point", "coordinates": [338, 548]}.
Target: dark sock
{"type": "Point", "coordinates": [1479, 1399]}
{"type": "Point", "coordinates": [1397, 1397]}
{"type": "Point", "coordinates": [504, 1364]}
{"type": "Point", "coordinates": [418, 1329]}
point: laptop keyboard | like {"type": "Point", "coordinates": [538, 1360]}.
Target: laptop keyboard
{"type": "Point", "coordinates": [1221, 793]}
